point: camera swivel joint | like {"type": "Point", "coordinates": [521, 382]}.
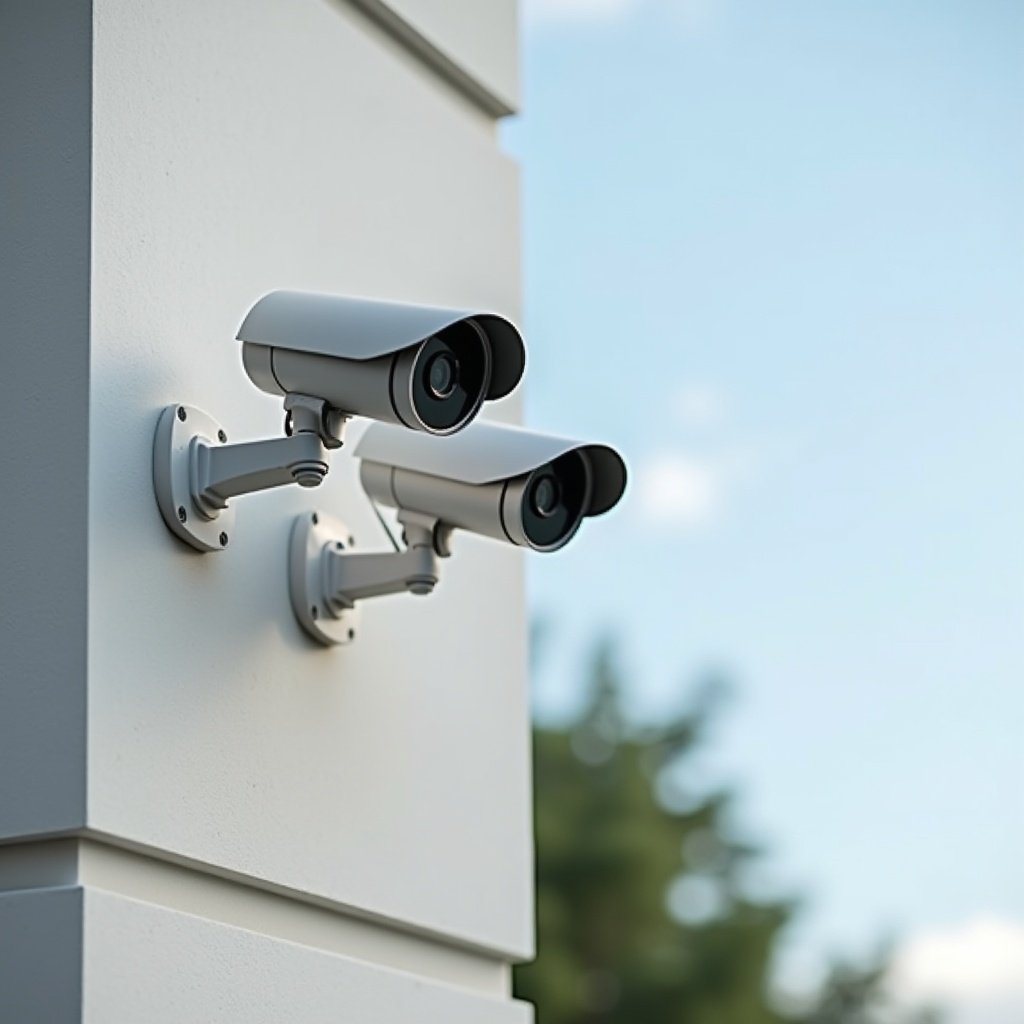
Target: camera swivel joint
{"type": "Point", "coordinates": [327, 579]}
{"type": "Point", "coordinates": [196, 472]}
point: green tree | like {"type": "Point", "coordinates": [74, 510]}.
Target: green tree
{"type": "Point", "coordinates": [642, 914]}
{"type": "Point", "coordinates": [642, 911]}
{"type": "Point", "coordinates": [856, 994]}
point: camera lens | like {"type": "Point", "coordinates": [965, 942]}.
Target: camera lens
{"type": "Point", "coordinates": [448, 378]}
{"type": "Point", "coordinates": [545, 495]}
{"type": "Point", "coordinates": [553, 501]}
{"type": "Point", "coordinates": [442, 375]}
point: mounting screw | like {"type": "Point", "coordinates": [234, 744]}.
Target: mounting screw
{"type": "Point", "coordinates": [316, 519]}
{"type": "Point", "coordinates": [338, 546]}
{"type": "Point", "coordinates": [222, 437]}
{"type": "Point", "coordinates": [314, 611]}
{"type": "Point", "coordinates": [351, 542]}
{"type": "Point", "coordinates": [223, 540]}
{"type": "Point", "coordinates": [182, 514]}
{"type": "Point", "coordinates": [351, 634]}
{"type": "Point", "coordinates": [181, 413]}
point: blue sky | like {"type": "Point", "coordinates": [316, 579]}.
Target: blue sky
{"type": "Point", "coordinates": [774, 252]}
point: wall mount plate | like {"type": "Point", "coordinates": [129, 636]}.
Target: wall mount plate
{"type": "Point", "coordinates": [178, 430]}
{"type": "Point", "coordinates": [312, 533]}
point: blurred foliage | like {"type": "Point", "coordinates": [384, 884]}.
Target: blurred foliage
{"type": "Point", "coordinates": [643, 912]}
{"type": "Point", "coordinates": [855, 994]}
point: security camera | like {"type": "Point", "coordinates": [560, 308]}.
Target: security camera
{"type": "Point", "coordinates": [331, 358]}
{"type": "Point", "coordinates": [420, 367]}
{"type": "Point", "coordinates": [503, 482]}
{"type": "Point", "coordinates": [524, 488]}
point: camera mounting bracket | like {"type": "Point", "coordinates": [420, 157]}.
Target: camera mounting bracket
{"type": "Point", "coordinates": [196, 472]}
{"type": "Point", "coordinates": [326, 580]}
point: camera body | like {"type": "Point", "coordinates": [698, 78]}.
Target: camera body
{"type": "Point", "coordinates": [330, 358]}
{"type": "Point", "coordinates": [513, 485]}
{"type": "Point", "coordinates": [420, 367]}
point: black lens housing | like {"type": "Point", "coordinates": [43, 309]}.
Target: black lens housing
{"type": "Point", "coordinates": [440, 385]}
{"type": "Point", "coordinates": [554, 501]}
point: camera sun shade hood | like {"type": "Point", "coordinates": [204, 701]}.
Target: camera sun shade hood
{"type": "Point", "coordinates": [484, 453]}
{"type": "Point", "coordinates": [361, 329]}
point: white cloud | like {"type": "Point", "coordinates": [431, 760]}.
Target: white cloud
{"type": "Point", "coordinates": [974, 971]}
{"type": "Point", "coordinates": [688, 483]}
{"type": "Point", "coordinates": [677, 489]}
{"type": "Point", "coordinates": [541, 11]}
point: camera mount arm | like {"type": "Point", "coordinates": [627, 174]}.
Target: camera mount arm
{"type": "Point", "coordinates": [196, 472]}
{"type": "Point", "coordinates": [326, 579]}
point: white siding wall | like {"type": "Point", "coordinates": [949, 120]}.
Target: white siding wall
{"type": "Point", "coordinates": [235, 147]}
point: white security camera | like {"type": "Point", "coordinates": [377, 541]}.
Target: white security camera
{"type": "Point", "coordinates": [330, 358]}
{"type": "Point", "coordinates": [503, 482]}
{"type": "Point", "coordinates": [509, 484]}
{"type": "Point", "coordinates": [423, 368]}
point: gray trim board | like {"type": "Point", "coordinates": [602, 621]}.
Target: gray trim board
{"type": "Point", "coordinates": [425, 50]}
{"type": "Point", "coordinates": [45, 225]}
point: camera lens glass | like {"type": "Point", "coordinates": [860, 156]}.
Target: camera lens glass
{"type": "Point", "coordinates": [554, 501]}
{"type": "Point", "coordinates": [450, 377]}
{"type": "Point", "coordinates": [442, 375]}
{"type": "Point", "coordinates": [545, 495]}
